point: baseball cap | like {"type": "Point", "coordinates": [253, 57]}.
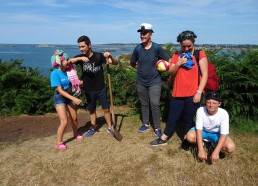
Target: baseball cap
{"type": "Point", "coordinates": [212, 95]}
{"type": "Point", "coordinates": [145, 27]}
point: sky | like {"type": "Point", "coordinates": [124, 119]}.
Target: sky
{"type": "Point", "coordinates": [117, 21]}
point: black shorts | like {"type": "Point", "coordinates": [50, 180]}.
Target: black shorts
{"type": "Point", "coordinates": [93, 96]}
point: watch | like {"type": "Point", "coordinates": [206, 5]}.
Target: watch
{"type": "Point", "coordinates": [199, 92]}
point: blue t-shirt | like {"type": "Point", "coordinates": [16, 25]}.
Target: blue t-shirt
{"type": "Point", "coordinates": [59, 78]}
{"type": "Point", "coordinates": [147, 72]}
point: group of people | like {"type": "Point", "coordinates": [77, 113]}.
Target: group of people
{"type": "Point", "coordinates": [212, 122]}
{"type": "Point", "coordinates": [92, 83]}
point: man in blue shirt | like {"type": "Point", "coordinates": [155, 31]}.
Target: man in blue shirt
{"type": "Point", "coordinates": [148, 79]}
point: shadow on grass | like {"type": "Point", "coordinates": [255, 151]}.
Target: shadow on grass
{"type": "Point", "coordinates": [100, 122]}
{"type": "Point", "coordinates": [209, 149]}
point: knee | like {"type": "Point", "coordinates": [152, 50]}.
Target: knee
{"type": "Point", "coordinates": [230, 148]}
{"type": "Point", "coordinates": [191, 137]}
{"type": "Point", "coordinates": [106, 111]}
{"type": "Point", "coordinates": [63, 123]}
{"type": "Point", "coordinates": [155, 102]}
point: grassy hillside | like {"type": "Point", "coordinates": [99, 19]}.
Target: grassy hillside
{"type": "Point", "coordinates": [101, 160]}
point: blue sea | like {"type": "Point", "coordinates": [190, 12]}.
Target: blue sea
{"type": "Point", "coordinates": [38, 56]}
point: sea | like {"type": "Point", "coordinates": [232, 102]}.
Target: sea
{"type": "Point", "coordinates": [38, 56]}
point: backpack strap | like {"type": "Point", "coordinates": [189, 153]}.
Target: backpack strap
{"type": "Point", "coordinates": [155, 46]}
{"type": "Point", "coordinates": [197, 58]}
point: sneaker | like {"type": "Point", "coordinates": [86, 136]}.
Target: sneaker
{"type": "Point", "coordinates": [79, 137]}
{"type": "Point", "coordinates": [61, 146]}
{"type": "Point", "coordinates": [158, 141]}
{"type": "Point", "coordinates": [143, 128]}
{"type": "Point", "coordinates": [184, 145]}
{"type": "Point", "coordinates": [90, 132]}
{"type": "Point", "coordinates": [158, 132]}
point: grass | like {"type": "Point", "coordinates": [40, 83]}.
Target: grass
{"type": "Point", "coordinates": [101, 160]}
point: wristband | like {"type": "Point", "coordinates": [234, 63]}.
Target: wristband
{"type": "Point", "coordinates": [199, 92]}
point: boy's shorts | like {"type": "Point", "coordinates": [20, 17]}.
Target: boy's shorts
{"type": "Point", "coordinates": [208, 136]}
{"type": "Point", "coordinates": [93, 96]}
{"type": "Point", "coordinates": [60, 100]}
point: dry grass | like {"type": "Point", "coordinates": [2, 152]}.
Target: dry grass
{"type": "Point", "coordinates": [101, 160]}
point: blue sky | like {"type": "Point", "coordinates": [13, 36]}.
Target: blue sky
{"type": "Point", "coordinates": [117, 21]}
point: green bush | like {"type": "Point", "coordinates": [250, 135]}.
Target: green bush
{"type": "Point", "coordinates": [23, 90]}
{"type": "Point", "coordinates": [238, 73]}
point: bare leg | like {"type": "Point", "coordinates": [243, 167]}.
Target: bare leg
{"type": "Point", "coordinates": [229, 146]}
{"type": "Point", "coordinates": [108, 117]}
{"type": "Point", "coordinates": [61, 110]}
{"type": "Point", "coordinates": [191, 136]}
{"type": "Point", "coordinates": [73, 116]}
{"type": "Point", "coordinates": [93, 118]}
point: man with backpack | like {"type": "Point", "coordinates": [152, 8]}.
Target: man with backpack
{"type": "Point", "coordinates": [148, 79]}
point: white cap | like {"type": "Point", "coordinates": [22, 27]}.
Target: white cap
{"type": "Point", "coordinates": [145, 27]}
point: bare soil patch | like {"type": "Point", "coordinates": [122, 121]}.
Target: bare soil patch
{"type": "Point", "coordinates": [27, 127]}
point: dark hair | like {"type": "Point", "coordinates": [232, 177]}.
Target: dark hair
{"type": "Point", "coordinates": [186, 35]}
{"type": "Point", "coordinates": [85, 39]}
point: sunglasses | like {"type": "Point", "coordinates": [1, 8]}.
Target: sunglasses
{"type": "Point", "coordinates": [187, 36]}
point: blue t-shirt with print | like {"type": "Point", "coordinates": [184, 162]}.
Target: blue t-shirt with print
{"type": "Point", "coordinates": [59, 78]}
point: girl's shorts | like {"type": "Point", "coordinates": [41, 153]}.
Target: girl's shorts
{"type": "Point", "coordinates": [60, 100]}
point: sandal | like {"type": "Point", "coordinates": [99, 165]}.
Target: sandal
{"type": "Point", "coordinates": [79, 137]}
{"type": "Point", "coordinates": [61, 146]}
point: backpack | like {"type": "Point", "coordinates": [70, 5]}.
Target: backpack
{"type": "Point", "coordinates": [213, 79]}
{"type": "Point", "coordinates": [139, 47]}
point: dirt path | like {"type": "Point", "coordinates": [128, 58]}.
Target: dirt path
{"type": "Point", "coordinates": [27, 127]}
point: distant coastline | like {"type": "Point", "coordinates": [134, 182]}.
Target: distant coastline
{"type": "Point", "coordinates": [45, 46]}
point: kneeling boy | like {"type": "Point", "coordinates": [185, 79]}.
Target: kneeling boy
{"type": "Point", "coordinates": [212, 124]}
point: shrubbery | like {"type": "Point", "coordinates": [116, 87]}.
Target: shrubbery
{"type": "Point", "coordinates": [24, 91]}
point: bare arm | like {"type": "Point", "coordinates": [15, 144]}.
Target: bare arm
{"type": "Point", "coordinates": [202, 155]}
{"type": "Point", "coordinates": [76, 59]}
{"type": "Point", "coordinates": [215, 154]}
{"type": "Point", "coordinates": [111, 60]}
{"type": "Point", "coordinates": [173, 68]}
{"type": "Point", "coordinates": [204, 71]}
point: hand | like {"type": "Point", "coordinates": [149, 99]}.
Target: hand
{"type": "Point", "coordinates": [170, 81]}
{"type": "Point", "coordinates": [81, 82]}
{"type": "Point", "coordinates": [182, 60]}
{"type": "Point", "coordinates": [84, 59]}
{"type": "Point", "coordinates": [202, 155]}
{"type": "Point", "coordinates": [197, 98]}
{"type": "Point", "coordinates": [107, 54]}
{"type": "Point", "coordinates": [77, 101]}
{"type": "Point", "coordinates": [214, 157]}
